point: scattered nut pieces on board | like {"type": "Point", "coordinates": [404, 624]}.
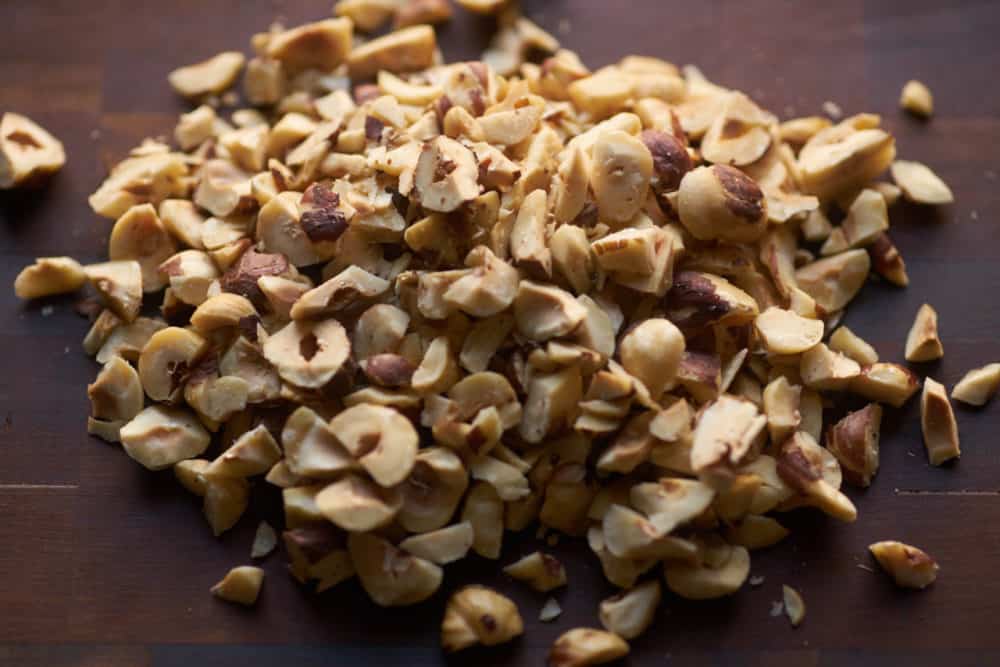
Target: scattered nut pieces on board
{"type": "Point", "coordinates": [467, 298]}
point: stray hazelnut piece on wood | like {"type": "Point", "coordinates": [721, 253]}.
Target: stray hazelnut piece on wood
{"type": "Point", "coordinates": [978, 385]}
{"type": "Point", "coordinates": [479, 615]}
{"type": "Point", "coordinates": [937, 421]}
{"type": "Point", "coordinates": [586, 646]}
{"type": "Point", "coordinates": [28, 153]}
{"type": "Point", "coordinates": [241, 585]}
{"type": "Point", "coordinates": [49, 276]}
{"type": "Point", "coordinates": [795, 606]}
{"type": "Point", "coordinates": [210, 77]}
{"type": "Point", "coordinates": [919, 184]}
{"type": "Point", "coordinates": [917, 99]}
{"type": "Point", "coordinates": [854, 441]}
{"type": "Point", "coordinates": [908, 566]}
{"type": "Point", "coordinates": [922, 342]}
{"type": "Point", "coordinates": [630, 613]}
{"type": "Point", "coordinates": [158, 437]}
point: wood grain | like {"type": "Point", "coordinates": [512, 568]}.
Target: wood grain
{"type": "Point", "coordinates": [105, 564]}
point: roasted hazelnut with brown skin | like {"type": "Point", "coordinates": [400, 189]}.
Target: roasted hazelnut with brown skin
{"type": "Point", "coordinates": [721, 202]}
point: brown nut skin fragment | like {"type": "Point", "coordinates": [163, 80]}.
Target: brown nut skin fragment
{"type": "Point", "coordinates": [937, 421]}
{"type": "Point", "coordinates": [671, 160]}
{"type": "Point", "coordinates": [241, 278]}
{"type": "Point", "coordinates": [909, 566]}
{"type": "Point", "coordinates": [388, 370]}
{"type": "Point", "coordinates": [321, 219]}
{"type": "Point", "coordinates": [586, 646]}
{"type": "Point", "coordinates": [698, 299]}
{"type": "Point", "coordinates": [721, 202]}
{"type": "Point", "coordinates": [854, 440]}
{"type": "Point", "coordinates": [479, 615]}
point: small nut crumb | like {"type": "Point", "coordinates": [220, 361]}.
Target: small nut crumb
{"type": "Point", "coordinates": [917, 99]}
{"type": "Point", "coordinates": [550, 611]}
{"type": "Point", "coordinates": [265, 540]}
{"type": "Point", "coordinates": [795, 607]}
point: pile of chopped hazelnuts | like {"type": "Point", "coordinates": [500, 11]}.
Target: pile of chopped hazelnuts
{"type": "Point", "coordinates": [435, 303]}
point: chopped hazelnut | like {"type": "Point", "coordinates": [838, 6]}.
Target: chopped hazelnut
{"type": "Point", "coordinates": [116, 394]}
{"type": "Point", "coordinates": [28, 153]}
{"type": "Point", "coordinates": [586, 646]}
{"type": "Point", "coordinates": [540, 571]}
{"type": "Point", "coordinates": [850, 344]}
{"type": "Point", "coordinates": [917, 99]}
{"type": "Point", "coordinates": [158, 437]}
{"type": "Point", "coordinates": [479, 615]}
{"type": "Point", "coordinates": [119, 284]}
{"type": "Point", "coordinates": [322, 45]}
{"type": "Point", "coordinates": [922, 342]}
{"type": "Point", "coordinates": [630, 613]}
{"type": "Point", "coordinates": [909, 566]}
{"type": "Point", "coordinates": [937, 421]}
{"type": "Point", "coordinates": [241, 585]}
{"type": "Point", "coordinates": [48, 276]}
{"type": "Point", "coordinates": [795, 607]}
{"type": "Point", "coordinates": [308, 354]}
{"type": "Point", "coordinates": [823, 369]}
{"type": "Point", "coordinates": [390, 576]}
{"type": "Point", "coordinates": [854, 440]}
{"type": "Point", "coordinates": [978, 385]}
{"type": "Point", "coordinates": [919, 184]}
{"type": "Point", "coordinates": [721, 571]}
{"type": "Point", "coordinates": [721, 202]}
{"type": "Point", "coordinates": [405, 50]}
{"type": "Point", "coordinates": [210, 77]}
{"type": "Point", "coordinates": [356, 504]}
{"type": "Point", "coordinates": [441, 546]}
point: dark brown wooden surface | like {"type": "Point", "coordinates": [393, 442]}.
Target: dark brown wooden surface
{"type": "Point", "coordinates": [104, 564]}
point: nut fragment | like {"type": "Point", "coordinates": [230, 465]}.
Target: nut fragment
{"type": "Point", "coordinates": [922, 342]}
{"type": "Point", "coordinates": [721, 571]}
{"type": "Point", "coordinates": [540, 571]}
{"type": "Point", "coordinates": [446, 175]}
{"type": "Point", "coordinates": [210, 77]}
{"type": "Point", "coordinates": [382, 440]}
{"type": "Point", "coordinates": [253, 453]}
{"type": "Point", "coordinates": [721, 202]}
{"type": "Point", "coordinates": [479, 615]}
{"type": "Point", "coordinates": [620, 173]}
{"type": "Point", "coordinates": [308, 354]}
{"type": "Point", "coordinates": [441, 546]}
{"type": "Point", "coordinates": [391, 577]}
{"type": "Point", "coordinates": [919, 184]}
{"type": "Point", "coordinates": [167, 360]}
{"type": "Point", "coordinates": [586, 646]}
{"type": "Point", "coordinates": [652, 353]}
{"type": "Point", "coordinates": [357, 505]}
{"type": "Point", "coordinates": [27, 151]}
{"type": "Point", "coordinates": [158, 437]}
{"type": "Point", "coordinates": [725, 432]}
{"type": "Point", "coordinates": [978, 385]}
{"type": "Point", "coordinates": [847, 342]}
{"type": "Point", "coordinates": [120, 286]}
{"type": "Point", "coordinates": [784, 332]}
{"type": "Point", "coordinates": [48, 276]}
{"type": "Point", "coordinates": [116, 394]}
{"type": "Point", "coordinates": [909, 566]}
{"type": "Point", "coordinates": [917, 99]}
{"type": "Point", "coordinates": [543, 311]}
{"type": "Point", "coordinates": [241, 585]}
{"type": "Point", "coordinates": [322, 45]}
{"type": "Point", "coordinates": [854, 441]}
{"type": "Point", "coordinates": [937, 421]}
{"type": "Point", "coordinates": [802, 463]}
{"type": "Point", "coordinates": [405, 50]}
{"type": "Point", "coordinates": [823, 369]}
{"type": "Point", "coordinates": [795, 607]}
{"type": "Point", "coordinates": [631, 612]}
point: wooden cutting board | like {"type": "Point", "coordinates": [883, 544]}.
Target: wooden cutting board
{"type": "Point", "coordinates": [104, 564]}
